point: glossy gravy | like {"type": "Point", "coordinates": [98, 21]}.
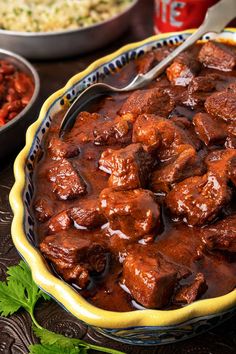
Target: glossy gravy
{"type": "Point", "coordinates": [179, 242]}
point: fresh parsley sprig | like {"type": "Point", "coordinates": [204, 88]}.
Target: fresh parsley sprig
{"type": "Point", "coordinates": [20, 291]}
{"type": "Point", "coordinates": [69, 345]}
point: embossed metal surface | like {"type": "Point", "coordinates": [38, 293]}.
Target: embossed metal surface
{"type": "Point", "coordinates": [16, 332]}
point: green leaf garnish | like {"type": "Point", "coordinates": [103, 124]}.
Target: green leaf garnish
{"type": "Point", "coordinates": [48, 337]}
{"type": "Point", "coordinates": [12, 297]}
{"type": "Point", "coordinates": [20, 291]}
{"type": "Point", "coordinates": [55, 340]}
{"type": "Point", "coordinates": [48, 349]}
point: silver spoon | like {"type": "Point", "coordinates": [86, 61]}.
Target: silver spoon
{"type": "Point", "coordinates": [216, 18]}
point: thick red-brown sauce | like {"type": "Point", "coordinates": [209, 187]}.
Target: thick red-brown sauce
{"type": "Point", "coordinates": [176, 240]}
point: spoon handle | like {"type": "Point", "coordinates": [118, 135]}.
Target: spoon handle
{"type": "Point", "coordinates": [216, 18]}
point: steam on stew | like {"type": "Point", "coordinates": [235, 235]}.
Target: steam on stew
{"type": "Point", "coordinates": [135, 206]}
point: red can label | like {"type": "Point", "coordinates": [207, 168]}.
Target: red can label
{"type": "Point", "coordinates": [176, 15]}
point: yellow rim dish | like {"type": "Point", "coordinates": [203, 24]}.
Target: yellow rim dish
{"type": "Point", "coordinates": [62, 291]}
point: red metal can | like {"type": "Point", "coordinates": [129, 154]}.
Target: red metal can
{"type": "Point", "coordinates": [176, 15]}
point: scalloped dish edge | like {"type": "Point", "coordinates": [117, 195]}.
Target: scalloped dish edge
{"type": "Point", "coordinates": [60, 290]}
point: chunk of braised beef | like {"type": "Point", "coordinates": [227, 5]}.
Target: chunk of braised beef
{"type": "Point", "coordinates": [75, 254]}
{"type": "Point", "coordinates": [152, 101]}
{"type": "Point", "coordinates": [133, 212]}
{"type": "Point", "coordinates": [105, 162]}
{"type": "Point", "coordinates": [186, 164]}
{"type": "Point", "coordinates": [160, 134]}
{"type": "Point", "coordinates": [149, 59]}
{"type": "Point", "coordinates": [113, 132]}
{"type": "Point", "coordinates": [217, 56]}
{"type": "Point", "coordinates": [178, 94]}
{"type": "Point", "coordinates": [66, 181]}
{"type": "Point", "coordinates": [211, 131]}
{"type": "Point", "coordinates": [222, 105]}
{"type": "Point", "coordinates": [183, 69]}
{"type": "Point", "coordinates": [189, 293]}
{"type": "Point", "coordinates": [71, 248]}
{"type": "Point", "coordinates": [77, 274]}
{"type": "Point", "coordinates": [163, 132]}
{"type": "Point", "coordinates": [206, 83]}
{"type": "Point", "coordinates": [58, 148]}
{"type": "Point", "coordinates": [59, 222]}
{"type": "Point", "coordinates": [186, 125]}
{"type": "Point", "coordinates": [202, 87]}
{"type": "Point", "coordinates": [173, 138]}
{"type": "Point", "coordinates": [87, 213]}
{"type": "Point", "coordinates": [150, 278]}
{"type": "Point", "coordinates": [82, 131]}
{"type": "Point", "coordinates": [71, 272]}
{"type": "Point", "coordinates": [129, 167]}
{"type": "Point", "coordinates": [221, 235]}
{"type": "Point", "coordinates": [145, 131]}
{"type": "Point", "coordinates": [218, 161]}
{"type": "Point", "coordinates": [181, 122]}
{"type": "Point", "coordinates": [168, 151]}
{"type": "Point", "coordinates": [43, 209]}
{"type": "Point", "coordinates": [199, 199]}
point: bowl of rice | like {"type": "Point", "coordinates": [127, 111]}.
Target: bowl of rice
{"type": "Point", "coordinates": [49, 29]}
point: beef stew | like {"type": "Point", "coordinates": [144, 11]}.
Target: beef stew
{"type": "Point", "coordinates": [135, 206]}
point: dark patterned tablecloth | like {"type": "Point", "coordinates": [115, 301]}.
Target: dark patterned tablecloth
{"type": "Point", "coordinates": [15, 332]}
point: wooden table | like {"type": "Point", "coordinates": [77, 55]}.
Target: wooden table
{"type": "Point", "coordinates": [15, 332]}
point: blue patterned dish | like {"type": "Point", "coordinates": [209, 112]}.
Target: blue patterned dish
{"type": "Point", "coordinates": [144, 327]}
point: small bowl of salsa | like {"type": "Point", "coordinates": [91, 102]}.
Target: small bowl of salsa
{"type": "Point", "coordinates": [19, 89]}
